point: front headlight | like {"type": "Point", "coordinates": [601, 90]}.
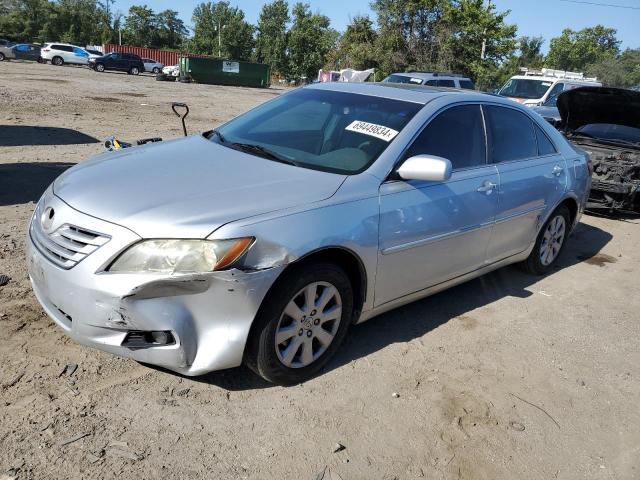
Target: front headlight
{"type": "Point", "coordinates": [180, 256]}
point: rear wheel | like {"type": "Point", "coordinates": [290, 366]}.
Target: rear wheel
{"type": "Point", "coordinates": [550, 242]}
{"type": "Point", "coordinates": [301, 324]}
{"type": "Point", "coordinates": [57, 61]}
{"type": "Point", "coordinates": [1, 57]}
{"type": "Point", "coordinates": [134, 71]}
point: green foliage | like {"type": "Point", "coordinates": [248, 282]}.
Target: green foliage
{"type": "Point", "coordinates": [221, 30]}
{"type": "Point", "coordinates": [356, 46]}
{"type": "Point", "coordinates": [622, 71]}
{"type": "Point", "coordinates": [310, 39]}
{"type": "Point", "coordinates": [575, 50]}
{"type": "Point", "coordinates": [271, 38]}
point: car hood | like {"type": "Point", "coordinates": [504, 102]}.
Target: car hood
{"type": "Point", "coordinates": [547, 112]}
{"type": "Point", "coordinates": [187, 188]}
{"type": "Point", "coordinates": [586, 105]}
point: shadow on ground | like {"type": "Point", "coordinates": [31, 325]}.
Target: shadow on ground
{"type": "Point", "coordinates": [17, 135]}
{"type": "Point", "coordinates": [419, 318]}
{"type": "Point", "coordinates": [25, 182]}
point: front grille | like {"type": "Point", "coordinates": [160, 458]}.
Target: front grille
{"type": "Point", "coordinates": [68, 245]}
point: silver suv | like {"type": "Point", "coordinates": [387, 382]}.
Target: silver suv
{"type": "Point", "coordinates": [432, 79]}
{"type": "Point", "coordinates": [264, 240]}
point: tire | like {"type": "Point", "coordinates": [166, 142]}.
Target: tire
{"type": "Point", "coordinates": [545, 255]}
{"type": "Point", "coordinates": [1, 57]}
{"type": "Point", "coordinates": [57, 61]}
{"type": "Point", "coordinates": [156, 70]}
{"type": "Point", "coordinates": [161, 77]}
{"type": "Point", "coordinates": [134, 71]}
{"type": "Point", "coordinates": [99, 67]}
{"type": "Point", "coordinates": [301, 353]}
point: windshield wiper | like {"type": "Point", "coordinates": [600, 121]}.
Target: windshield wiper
{"type": "Point", "coordinates": [262, 152]}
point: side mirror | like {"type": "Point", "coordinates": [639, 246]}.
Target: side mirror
{"type": "Point", "coordinates": [425, 167]}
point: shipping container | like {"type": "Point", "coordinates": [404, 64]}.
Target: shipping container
{"type": "Point", "coordinates": [216, 71]}
{"type": "Point", "coordinates": [166, 57]}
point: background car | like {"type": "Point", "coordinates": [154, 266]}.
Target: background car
{"type": "Point", "coordinates": [151, 65]}
{"type": "Point", "coordinates": [549, 110]}
{"type": "Point", "coordinates": [5, 51]}
{"type": "Point", "coordinates": [94, 53]}
{"type": "Point", "coordinates": [21, 51]}
{"type": "Point", "coordinates": [123, 62]}
{"type": "Point", "coordinates": [171, 70]}
{"type": "Point", "coordinates": [432, 79]}
{"type": "Point", "coordinates": [60, 53]}
{"type": "Point", "coordinates": [4, 42]}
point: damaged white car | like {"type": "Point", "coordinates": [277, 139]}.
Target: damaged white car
{"type": "Point", "coordinates": [262, 241]}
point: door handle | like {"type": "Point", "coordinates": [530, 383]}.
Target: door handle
{"type": "Point", "coordinates": [487, 187]}
{"type": "Point", "coordinates": [557, 170]}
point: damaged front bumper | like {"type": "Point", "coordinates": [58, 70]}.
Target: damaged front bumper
{"type": "Point", "coordinates": [207, 317]}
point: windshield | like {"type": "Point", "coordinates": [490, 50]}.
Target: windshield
{"type": "Point", "coordinates": [551, 101]}
{"type": "Point", "coordinates": [525, 88]}
{"type": "Point", "coordinates": [403, 79]}
{"type": "Point", "coordinates": [324, 130]}
{"type": "Point", "coordinates": [609, 131]}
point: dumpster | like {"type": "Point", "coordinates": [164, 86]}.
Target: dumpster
{"type": "Point", "coordinates": [217, 71]}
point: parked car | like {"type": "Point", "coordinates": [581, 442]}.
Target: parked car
{"type": "Point", "coordinates": [605, 122]}
{"type": "Point", "coordinates": [124, 62]}
{"type": "Point", "coordinates": [60, 53]}
{"type": "Point", "coordinates": [534, 87]}
{"type": "Point", "coordinates": [262, 241]}
{"type": "Point", "coordinates": [432, 79]}
{"type": "Point", "coordinates": [94, 53]}
{"type": "Point", "coordinates": [171, 70]}
{"type": "Point", "coordinates": [151, 65]}
{"type": "Point", "coordinates": [21, 51]}
{"type": "Point", "coordinates": [4, 42]}
{"type": "Point", "coordinates": [549, 110]}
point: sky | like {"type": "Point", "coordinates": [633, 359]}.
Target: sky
{"type": "Point", "coordinates": [546, 18]}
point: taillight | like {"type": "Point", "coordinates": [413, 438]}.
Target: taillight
{"type": "Point", "coordinates": [590, 167]}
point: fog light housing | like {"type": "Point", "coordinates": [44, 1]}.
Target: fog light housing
{"type": "Point", "coordinates": [142, 339]}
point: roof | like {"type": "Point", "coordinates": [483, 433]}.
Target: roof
{"type": "Point", "coordinates": [407, 92]}
{"type": "Point", "coordinates": [586, 81]}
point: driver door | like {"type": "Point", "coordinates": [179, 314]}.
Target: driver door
{"type": "Point", "coordinates": [431, 232]}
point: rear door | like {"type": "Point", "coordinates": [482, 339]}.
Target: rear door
{"type": "Point", "coordinates": [533, 178]}
{"type": "Point", "coordinates": [431, 232]}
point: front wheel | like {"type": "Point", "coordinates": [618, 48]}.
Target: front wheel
{"type": "Point", "coordinates": [301, 324]}
{"type": "Point", "coordinates": [156, 70]}
{"type": "Point", "coordinates": [1, 57]}
{"type": "Point", "coordinates": [99, 67]}
{"type": "Point", "coordinates": [550, 242]}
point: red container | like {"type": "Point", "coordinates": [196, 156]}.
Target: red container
{"type": "Point", "coordinates": [166, 57]}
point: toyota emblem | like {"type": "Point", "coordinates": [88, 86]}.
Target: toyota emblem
{"type": "Point", "coordinates": [46, 220]}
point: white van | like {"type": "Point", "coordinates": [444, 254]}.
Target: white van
{"type": "Point", "coordinates": [60, 53]}
{"type": "Point", "coordinates": [534, 87]}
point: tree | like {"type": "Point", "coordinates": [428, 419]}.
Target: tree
{"type": "Point", "coordinates": [575, 50]}
{"type": "Point", "coordinates": [220, 29]}
{"type": "Point", "coordinates": [310, 39]}
{"type": "Point", "coordinates": [355, 49]}
{"type": "Point", "coordinates": [22, 20]}
{"type": "Point", "coordinates": [622, 71]}
{"type": "Point", "coordinates": [140, 27]}
{"type": "Point", "coordinates": [271, 39]}
{"type": "Point", "coordinates": [171, 29]}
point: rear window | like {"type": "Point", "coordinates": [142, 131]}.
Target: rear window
{"type": "Point", "coordinates": [403, 79]}
{"type": "Point", "coordinates": [441, 82]}
{"type": "Point", "coordinates": [545, 147]}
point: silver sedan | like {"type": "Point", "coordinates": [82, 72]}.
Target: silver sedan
{"type": "Point", "coordinates": [264, 240]}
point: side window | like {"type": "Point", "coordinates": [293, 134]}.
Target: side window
{"type": "Point", "coordinates": [511, 134]}
{"type": "Point", "coordinates": [556, 90]}
{"type": "Point", "coordinates": [80, 52]}
{"type": "Point", "coordinates": [431, 83]}
{"type": "Point", "coordinates": [446, 83]}
{"type": "Point", "coordinates": [545, 147]}
{"type": "Point", "coordinates": [456, 134]}
{"type": "Point", "coordinates": [467, 84]}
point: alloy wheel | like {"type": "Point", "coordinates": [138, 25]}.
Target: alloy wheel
{"type": "Point", "coordinates": [308, 325]}
{"type": "Point", "coordinates": [552, 240]}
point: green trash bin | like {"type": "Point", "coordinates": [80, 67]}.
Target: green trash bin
{"type": "Point", "coordinates": [216, 71]}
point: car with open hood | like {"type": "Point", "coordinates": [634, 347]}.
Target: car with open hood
{"type": "Point", "coordinates": [262, 241]}
{"type": "Point", "coordinates": [605, 122]}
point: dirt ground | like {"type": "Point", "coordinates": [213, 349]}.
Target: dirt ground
{"type": "Point", "coordinates": [505, 377]}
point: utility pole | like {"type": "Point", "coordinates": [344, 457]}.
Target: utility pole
{"type": "Point", "coordinates": [220, 27]}
{"type": "Point", "coordinates": [484, 40]}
